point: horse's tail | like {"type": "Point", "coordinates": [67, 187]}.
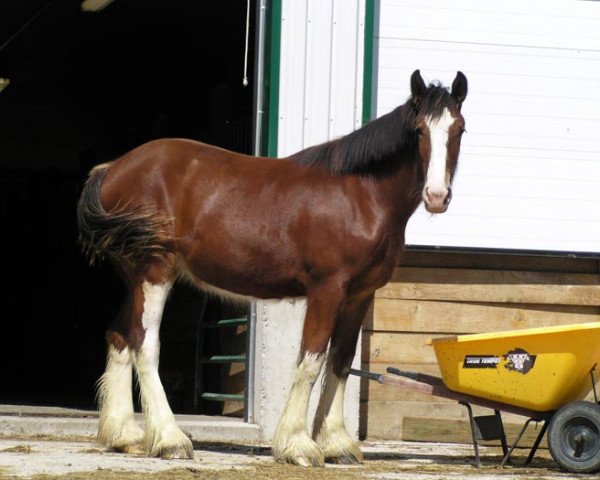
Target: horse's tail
{"type": "Point", "coordinates": [123, 234]}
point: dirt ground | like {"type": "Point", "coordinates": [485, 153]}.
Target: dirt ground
{"type": "Point", "coordinates": [81, 458]}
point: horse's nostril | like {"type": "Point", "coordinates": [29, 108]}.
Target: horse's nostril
{"type": "Point", "coordinates": [426, 195]}
{"type": "Point", "coordinates": [448, 196]}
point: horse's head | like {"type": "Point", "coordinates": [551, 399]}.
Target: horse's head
{"type": "Point", "coordinates": [439, 125]}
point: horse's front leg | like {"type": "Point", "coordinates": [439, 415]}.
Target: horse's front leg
{"type": "Point", "coordinates": [291, 442]}
{"type": "Point", "coordinates": [163, 437]}
{"type": "Point", "coordinates": [329, 429]}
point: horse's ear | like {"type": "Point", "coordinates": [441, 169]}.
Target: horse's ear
{"type": "Point", "coordinates": [459, 88]}
{"type": "Point", "coordinates": [418, 89]}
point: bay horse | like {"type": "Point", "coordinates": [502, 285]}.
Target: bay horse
{"type": "Point", "coordinates": [326, 223]}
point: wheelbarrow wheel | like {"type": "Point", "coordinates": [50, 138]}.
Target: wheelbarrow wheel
{"type": "Point", "coordinates": [574, 437]}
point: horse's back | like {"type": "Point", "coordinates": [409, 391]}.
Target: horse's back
{"type": "Point", "coordinates": [157, 168]}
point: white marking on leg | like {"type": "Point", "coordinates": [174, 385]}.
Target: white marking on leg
{"type": "Point", "coordinates": [163, 436]}
{"type": "Point", "coordinates": [291, 442]}
{"type": "Point", "coordinates": [329, 429]}
{"type": "Point", "coordinates": [438, 179]}
{"type": "Point", "coordinates": [117, 426]}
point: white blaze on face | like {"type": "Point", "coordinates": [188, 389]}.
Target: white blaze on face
{"type": "Point", "coordinates": [437, 181]}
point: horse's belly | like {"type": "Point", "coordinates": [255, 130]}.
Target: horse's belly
{"type": "Point", "coordinates": [233, 284]}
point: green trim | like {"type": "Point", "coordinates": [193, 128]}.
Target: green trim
{"type": "Point", "coordinates": [224, 359]}
{"type": "Point", "coordinates": [269, 134]}
{"type": "Point", "coordinates": [367, 110]}
{"type": "Point", "coordinates": [222, 397]}
{"type": "Point", "coordinates": [226, 322]}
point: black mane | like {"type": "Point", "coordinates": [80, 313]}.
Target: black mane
{"type": "Point", "coordinates": [378, 140]}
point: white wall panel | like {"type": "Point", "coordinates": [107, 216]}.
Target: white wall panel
{"type": "Point", "coordinates": [317, 89]}
{"type": "Point", "coordinates": [529, 172]}
{"type": "Point", "coordinates": [292, 76]}
{"type": "Point", "coordinates": [346, 67]}
{"type": "Point", "coordinates": [320, 94]}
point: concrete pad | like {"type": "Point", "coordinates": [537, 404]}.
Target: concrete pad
{"type": "Point", "coordinates": [22, 458]}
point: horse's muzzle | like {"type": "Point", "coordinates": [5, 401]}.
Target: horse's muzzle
{"type": "Point", "coordinates": [437, 201]}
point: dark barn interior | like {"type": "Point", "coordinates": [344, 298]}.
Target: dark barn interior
{"type": "Point", "coordinates": [85, 88]}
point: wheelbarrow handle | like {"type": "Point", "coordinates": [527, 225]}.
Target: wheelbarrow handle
{"type": "Point", "coordinates": [369, 375]}
{"type": "Point", "coordinates": [379, 376]}
{"type": "Point", "coordinates": [403, 373]}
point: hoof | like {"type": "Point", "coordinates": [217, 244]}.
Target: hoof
{"type": "Point", "coordinates": [301, 451]}
{"type": "Point", "coordinates": [171, 444]}
{"type": "Point", "coordinates": [344, 460]}
{"type": "Point", "coordinates": [350, 455]}
{"type": "Point", "coordinates": [303, 461]}
{"type": "Point", "coordinates": [341, 449]}
{"type": "Point", "coordinates": [128, 439]}
{"type": "Point", "coordinates": [173, 453]}
{"type": "Point", "coordinates": [137, 449]}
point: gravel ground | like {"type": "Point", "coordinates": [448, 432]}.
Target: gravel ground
{"type": "Point", "coordinates": [83, 459]}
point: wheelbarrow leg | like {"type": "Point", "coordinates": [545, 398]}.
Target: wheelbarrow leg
{"type": "Point", "coordinates": [474, 435]}
{"type": "Point", "coordinates": [507, 455]}
{"type": "Point", "coordinates": [486, 427]}
{"type": "Point", "coordinates": [538, 440]}
{"type": "Point", "coordinates": [502, 435]}
{"type": "Point", "coordinates": [535, 446]}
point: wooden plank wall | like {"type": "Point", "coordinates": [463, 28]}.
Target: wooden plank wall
{"type": "Point", "coordinates": [436, 294]}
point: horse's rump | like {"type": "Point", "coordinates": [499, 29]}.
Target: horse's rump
{"type": "Point", "coordinates": [135, 235]}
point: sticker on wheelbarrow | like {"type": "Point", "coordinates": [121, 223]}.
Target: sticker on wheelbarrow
{"type": "Point", "coordinates": [481, 361]}
{"type": "Point", "coordinates": [518, 360]}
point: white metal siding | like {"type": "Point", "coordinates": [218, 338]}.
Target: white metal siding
{"type": "Point", "coordinates": [529, 172]}
{"type": "Point", "coordinates": [320, 92]}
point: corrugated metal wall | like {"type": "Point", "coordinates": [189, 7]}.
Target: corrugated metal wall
{"type": "Point", "coordinates": [321, 71]}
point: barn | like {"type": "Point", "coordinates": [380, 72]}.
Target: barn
{"type": "Point", "coordinates": [519, 246]}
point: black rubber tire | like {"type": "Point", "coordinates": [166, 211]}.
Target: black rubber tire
{"type": "Point", "coordinates": [574, 437]}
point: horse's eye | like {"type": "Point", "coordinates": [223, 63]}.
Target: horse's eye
{"type": "Point", "coordinates": [419, 131]}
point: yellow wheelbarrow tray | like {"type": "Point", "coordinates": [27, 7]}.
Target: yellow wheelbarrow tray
{"type": "Point", "coordinates": [540, 373]}
{"type": "Point", "coordinates": [541, 369]}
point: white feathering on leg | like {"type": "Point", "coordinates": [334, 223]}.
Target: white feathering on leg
{"type": "Point", "coordinates": [291, 442]}
{"type": "Point", "coordinates": [329, 427]}
{"type": "Point", "coordinates": [118, 429]}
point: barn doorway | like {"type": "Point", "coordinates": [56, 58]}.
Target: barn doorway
{"type": "Point", "coordinates": [85, 88]}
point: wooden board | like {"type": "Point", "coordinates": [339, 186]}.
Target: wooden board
{"type": "Point", "coordinates": [531, 263]}
{"type": "Point", "coordinates": [457, 317]}
{"type": "Point", "coordinates": [493, 286]}
{"type": "Point", "coordinates": [386, 420]}
{"type": "Point", "coordinates": [458, 431]}
{"type": "Point", "coordinates": [397, 347]}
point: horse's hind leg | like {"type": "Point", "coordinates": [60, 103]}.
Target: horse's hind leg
{"type": "Point", "coordinates": [163, 437]}
{"type": "Point", "coordinates": [329, 430]}
{"type": "Point", "coordinates": [118, 429]}
{"type": "Point", "coordinates": [291, 442]}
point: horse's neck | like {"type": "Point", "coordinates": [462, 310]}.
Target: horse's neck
{"type": "Point", "coordinates": [400, 187]}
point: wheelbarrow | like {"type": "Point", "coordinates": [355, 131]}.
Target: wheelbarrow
{"type": "Point", "coordinates": [542, 374]}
